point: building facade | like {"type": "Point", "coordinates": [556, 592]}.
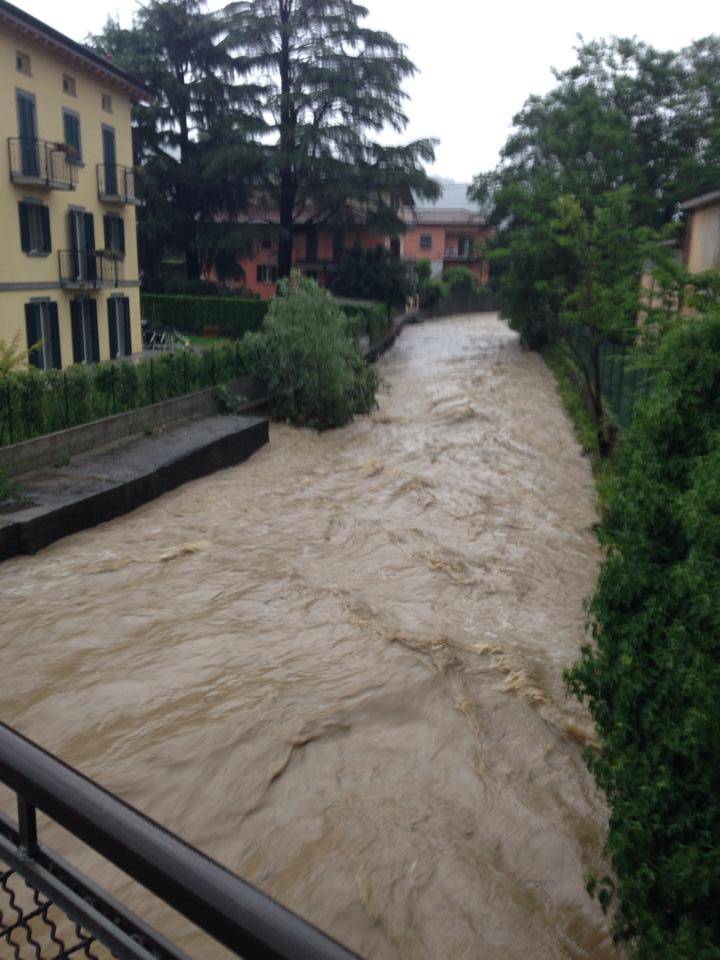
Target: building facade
{"type": "Point", "coordinates": [701, 246]}
{"type": "Point", "coordinates": [69, 279]}
{"type": "Point", "coordinates": [447, 237]}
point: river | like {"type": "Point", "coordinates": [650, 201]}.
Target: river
{"type": "Point", "coordinates": [337, 668]}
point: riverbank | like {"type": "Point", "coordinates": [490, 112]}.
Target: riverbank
{"type": "Point", "coordinates": [99, 486]}
{"type": "Point", "coordinates": [338, 668]}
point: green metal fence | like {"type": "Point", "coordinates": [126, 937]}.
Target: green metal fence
{"type": "Point", "coordinates": [625, 376]}
{"type": "Point", "coordinates": [34, 402]}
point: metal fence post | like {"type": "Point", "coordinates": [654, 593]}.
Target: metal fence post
{"type": "Point", "coordinates": [8, 395]}
{"type": "Point", "coordinates": [152, 381]}
{"type": "Point", "coordinates": [212, 365]}
{"type": "Point", "coordinates": [185, 371]}
{"type": "Point", "coordinates": [67, 400]}
{"type": "Point", "coordinates": [112, 388]}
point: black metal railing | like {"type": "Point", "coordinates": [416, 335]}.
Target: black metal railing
{"type": "Point", "coordinates": [82, 268]}
{"type": "Point", "coordinates": [41, 163]}
{"type": "Point", "coordinates": [64, 912]}
{"type": "Point", "coordinates": [116, 183]}
{"type": "Point", "coordinates": [461, 255]}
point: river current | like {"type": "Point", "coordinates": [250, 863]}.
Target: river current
{"type": "Point", "coordinates": [337, 668]}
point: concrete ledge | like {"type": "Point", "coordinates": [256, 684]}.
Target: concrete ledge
{"type": "Point", "coordinates": [116, 482]}
{"type": "Point", "coordinates": [53, 448]}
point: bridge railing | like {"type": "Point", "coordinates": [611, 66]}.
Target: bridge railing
{"type": "Point", "coordinates": [49, 909]}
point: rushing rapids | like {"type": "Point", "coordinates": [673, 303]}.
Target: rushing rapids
{"type": "Point", "coordinates": [337, 668]}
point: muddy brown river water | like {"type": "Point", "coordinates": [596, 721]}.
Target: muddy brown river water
{"type": "Point", "coordinates": [337, 668]}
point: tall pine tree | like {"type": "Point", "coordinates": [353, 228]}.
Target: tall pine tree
{"type": "Point", "coordinates": [329, 85]}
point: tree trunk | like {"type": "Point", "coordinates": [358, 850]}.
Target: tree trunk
{"type": "Point", "coordinates": [288, 123]}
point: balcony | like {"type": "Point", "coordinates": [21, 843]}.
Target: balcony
{"type": "Point", "coordinates": [82, 270]}
{"type": "Point", "coordinates": [41, 163]}
{"type": "Point", "coordinates": [460, 255]}
{"type": "Point", "coordinates": [116, 183]}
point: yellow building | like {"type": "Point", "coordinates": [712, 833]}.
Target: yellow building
{"type": "Point", "coordinates": [69, 268]}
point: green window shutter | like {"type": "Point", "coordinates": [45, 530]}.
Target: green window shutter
{"type": "Point", "coordinates": [71, 128]}
{"type": "Point", "coordinates": [89, 232]}
{"type": "Point", "coordinates": [76, 324]}
{"type": "Point", "coordinates": [32, 326]}
{"type": "Point", "coordinates": [45, 217]}
{"type": "Point", "coordinates": [55, 334]}
{"type": "Point", "coordinates": [121, 234]}
{"type": "Point", "coordinates": [107, 231]}
{"type": "Point", "coordinates": [94, 339]}
{"type": "Point", "coordinates": [126, 321]}
{"type": "Point", "coordinates": [112, 326]}
{"type": "Point", "coordinates": [24, 227]}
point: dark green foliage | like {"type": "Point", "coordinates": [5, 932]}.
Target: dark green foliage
{"type": "Point", "coordinates": [328, 85]}
{"type": "Point", "coordinates": [193, 142]}
{"type": "Point", "coordinates": [432, 291]}
{"type": "Point", "coordinates": [652, 677]}
{"type": "Point", "coordinates": [624, 115]}
{"type": "Point", "coordinates": [309, 356]}
{"type": "Point", "coordinates": [37, 403]}
{"type": "Point", "coordinates": [371, 275]}
{"type": "Point", "coordinates": [370, 321]}
{"type": "Point", "coordinates": [232, 316]}
{"type": "Point", "coordinates": [461, 280]}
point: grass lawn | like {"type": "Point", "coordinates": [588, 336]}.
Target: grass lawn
{"type": "Point", "coordinates": [205, 343]}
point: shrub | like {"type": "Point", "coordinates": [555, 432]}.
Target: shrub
{"type": "Point", "coordinates": [232, 316]}
{"type": "Point", "coordinates": [461, 280]}
{"type": "Point", "coordinates": [432, 291]}
{"type": "Point", "coordinates": [306, 351]}
{"type": "Point", "coordinates": [371, 275]}
{"type": "Point", "coordinates": [652, 678]}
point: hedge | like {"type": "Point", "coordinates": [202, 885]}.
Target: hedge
{"type": "Point", "coordinates": [33, 402]}
{"type": "Point", "coordinates": [232, 316]}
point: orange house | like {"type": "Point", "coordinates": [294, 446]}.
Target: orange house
{"type": "Point", "coordinates": [317, 248]}
{"type": "Point", "coordinates": [447, 237]}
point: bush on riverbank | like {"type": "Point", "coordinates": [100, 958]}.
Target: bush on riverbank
{"type": "Point", "coordinates": [652, 678]}
{"type": "Point", "coordinates": [307, 352]}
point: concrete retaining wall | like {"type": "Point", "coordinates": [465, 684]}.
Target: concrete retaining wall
{"type": "Point", "coordinates": [54, 448]}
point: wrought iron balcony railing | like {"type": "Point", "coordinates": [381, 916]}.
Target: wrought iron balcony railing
{"type": "Point", "coordinates": [53, 910]}
{"type": "Point", "coordinates": [81, 269]}
{"type": "Point", "coordinates": [41, 163]}
{"type": "Point", "coordinates": [461, 255]}
{"type": "Point", "coordinates": [116, 183]}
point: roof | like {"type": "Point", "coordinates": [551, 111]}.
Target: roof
{"type": "Point", "coordinates": [448, 216]}
{"type": "Point", "coordinates": [704, 200]}
{"type": "Point", "coordinates": [14, 18]}
{"type": "Point", "coordinates": [452, 195]}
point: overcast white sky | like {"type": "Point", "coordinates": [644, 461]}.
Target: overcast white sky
{"type": "Point", "coordinates": [477, 62]}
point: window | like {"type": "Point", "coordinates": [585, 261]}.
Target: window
{"type": "Point", "coordinates": [425, 241]}
{"type": "Point", "coordinates": [311, 244]}
{"type": "Point", "coordinates": [266, 273]}
{"type": "Point", "coordinates": [34, 227]}
{"type": "Point", "coordinates": [71, 128]}
{"type": "Point", "coordinates": [69, 85]}
{"type": "Point", "coordinates": [106, 102]}
{"type": "Point", "coordinates": [41, 323]}
{"type": "Point", "coordinates": [465, 246]}
{"type": "Point", "coordinates": [86, 346]}
{"type": "Point", "coordinates": [114, 226]}
{"type": "Point", "coordinates": [22, 62]}
{"type": "Point", "coordinates": [119, 327]}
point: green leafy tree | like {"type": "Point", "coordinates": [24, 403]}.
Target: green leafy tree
{"type": "Point", "coordinates": [310, 358]}
{"type": "Point", "coordinates": [194, 143]}
{"type": "Point", "coordinates": [652, 675]}
{"type": "Point", "coordinates": [625, 114]}
{"type": "Point", "coordinates": [328, 85]}
{"type": "Point", "coordinates": [373, 274]}
{"type": "Point", "coordinates": [606, 254]}
{"type": "Point", "coordinates": [461, 281]}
